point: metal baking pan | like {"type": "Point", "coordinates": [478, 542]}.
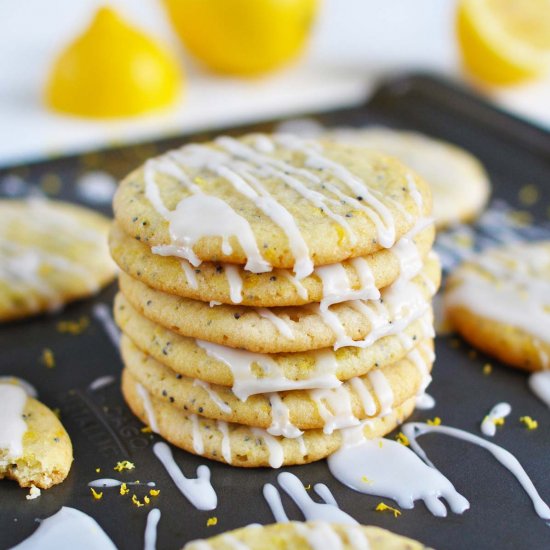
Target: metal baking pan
{"type": "Point", "coordinates": [104, 431]}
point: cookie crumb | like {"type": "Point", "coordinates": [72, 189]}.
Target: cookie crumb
{"type": "Point", "coordinates": [34, 492]}
{"type": "Point", "coordinates": [383, 507]}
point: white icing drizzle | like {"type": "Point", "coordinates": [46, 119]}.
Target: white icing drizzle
{"type": "Point", "coordinates": [275, 449]}
{"type": "Point", "coordinates": [190, 274]}
{"type": "Point", "coordinates": [326, 511]}
{"type": "Point", "coordinates": [300, 288]}
{"type": "Point", "coordinates": [415, 429]}
{"type": "Point", "coordinates": [109, 482]}
{"type": "Point", "coordinates": [539, 382]}
{"type": "Point", "coordinates": [12, 426]}
{"type": "Point", "coordinates": [385, 468]}
{"type": "Point", "coordinates": [382, 390]}
{"type": "Point", "coordinates": [280, 419]}
{"type": "Point", "coordinates": [102, 312]}
{"type": "Point", "coordinates": [235, 283]}
{"type": "Point", "coordinates": [226, 441]}
{"type": "Point", "coordinates": [425, 402]}
{"type": "Point", "coordinates": [280, 324]}
{"type": "Point", "coordinates": [68, 528]}
{"type": "Point", "coordinates": [148, 407]}
{"type": "Point", "coordinates": [28, 388]}
{"type": "Point", "coordinates": [302, 445]}
{"type": "Point", "coordinates": [198, 443]}
{"type": "Point", "coordinates": [367, 402]}
{"type": "Point", "coordinates": [498, 412]}
{"type": "Point", "coordinates": [219, 402]}
{"type": "Point", "coordinates": [422, 366]}
{"type": "Point", "coordinates": [273, 498]}
{"type": "Point", "coordinates": [246, 383]}
{"type": "Point", "coordinates": [199, 491]}
{"type": "Point", "coordinates": [340, 415]}
{"type": "Point", "coordinates": [265, 165]}
{"type": "Point", "coordinates": [101, 382]}
{"type": "Point", "coordinates": [150, 537]}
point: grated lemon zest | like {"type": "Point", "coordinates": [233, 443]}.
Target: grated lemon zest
{"type": "Point", "coordinates": [382, 507]}
{"type": "Point", "coordinates": [211, 521]}
{"type": "Point", "coordinates": [124, 489]}
{"type": "Point", "coordinates": [95, 494]}
{"type": "Point", "coordinates": [154, 492]}
{"type": "Point", "coordinates": [47, 358]}
{"type": "Point", "coordinates": [403, 439]}
{"type": "Point", "coordinates": [136, 501]}
{"type": "Point", "coordinates": [487, 369]}
{"type": "Point", "coordinates": [530, 423]}
{"type": "Point", "coordinates": [435, 422]}
{"type": "Point", "coordinates": [124, 465]}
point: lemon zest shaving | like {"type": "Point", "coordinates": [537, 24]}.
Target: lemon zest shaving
{"type": "Point", "coordinates": [124, 489]}
{"type": "Point", "coordinates": [136, 501]}
{"type": "Point", "coordinates": [436, 421]}
{"type": "Point", "coordinates": [146, 499]}
{"type": "Point", "coordinates": [95, 494]}
{"type": "Point", "coordinates": [487, 369]}
{"type": "Point", "coordinates": [530, 423]}
{"type": "Point", "coordinates": [47, 358]}
{"type": "Point", "coordinates": [154, 492]}
{"type": "Point", "coordinates": [211, 521]}
{"type": "Point", "coordinates": [97, 470]}
{"type": "Point", "coordinates": [383, 507]}
{"type": "Point", "coordinates": [307, 487]}
{"type": "Point", "coordinates": [73, 327]}
{"type": "Point", "coordinates": [124, 465]}
{"type": "Point", "coordinates": [146, 430]}
{"type": "Point", "coordinates": [365, 479]}
{"type": "Point", "coordinates": [403, 439]}
{"type": "Point", "coordinates": [498, 421]}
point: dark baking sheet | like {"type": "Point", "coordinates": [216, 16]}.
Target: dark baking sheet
{"type": "Point", "coordinates": [103, 430]}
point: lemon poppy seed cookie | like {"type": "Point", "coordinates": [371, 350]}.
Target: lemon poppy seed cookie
{"type": "Point", "coordinates": [34, 446]}
{"type": "Point", "coordinates": [245, 372]}
{"type": "Point", "coordinates": [270, 201]}
{"type": "Point", "coordinates": [50, 253]}
{"type": "Point", "coordinates": [307, 536]}
{"type": "Point", "coordinates": [290, 329]}
{"type": "Point", "coordinates": [228, 283]}
{"type": "Point", "coordinates": [460, 185]}
{"type": "Point", "coordinates": [286, 413]}
{"type": "Point", "coordinates": [500, 302]}
{"type": "Point", "coordinates": [240, 445]}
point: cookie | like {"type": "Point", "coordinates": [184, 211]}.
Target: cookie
{"type": "Point", "coordinates": [227, 283]}
{"type": "Point", "coordinates": [50, 253]}
{"type": "Point", "coordinates": [305, 536]}
{"type": "Point", "coordinates": [241, 445]}
{"type": "Point", "coordinates": [357, 399]}
{"type": "Point", "coordinates": [35, 449]}
{"type": "Point", "coordinates": [287, 371]}
{"type": "Point", "coordinates": [460, 185]}
{"type": "Point", "coordinates": [290, 329]}
{"type": "Point", "coordinates": [499, 301]}
{"type": "Point", "coordinates": [270, 202]}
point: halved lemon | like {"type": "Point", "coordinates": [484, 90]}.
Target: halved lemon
{"type": "Point", "coordinates": [504, 41]}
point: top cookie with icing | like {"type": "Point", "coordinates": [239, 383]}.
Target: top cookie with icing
{"type": "Point", "coordinates": [460, 185]}
{"type": "Point", "coordinates": [51, 252]}
{"type": "Point", "coordinates": [270, 201]}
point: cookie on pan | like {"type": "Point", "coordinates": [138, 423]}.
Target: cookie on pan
{"type": "Point", "coordinates": [306, 536]}
{"type": "Point", "coordinates": [460, 185]}
{"type": "Point", "coordinates": [499, 301]}
{"type": "Point", "coordinates": [270, 202]}
{"type": "Point", "coordinates": [51, 253]}
{"type": "Point", "coordinates": [35, 449]}
{"type": "Point", "coordinates": [240, 445]}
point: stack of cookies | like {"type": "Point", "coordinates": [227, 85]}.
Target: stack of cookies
{"type": "Point", "coordinates": [274, 292]}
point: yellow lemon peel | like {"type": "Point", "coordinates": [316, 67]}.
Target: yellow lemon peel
{"type": "Point", "coordinates": [211, 521]}
{"type": "Point", "coordinates": [403, 439]}
{"type": "Point", "coordinates": [154, 492]}
{"type": "Point", "coordinates": [48, 358]}
{"type": "Point", "coordinates": [529, 422]}
{"type": "Point", "coordinates": [436, 421]}
{"type": "Point", "coordinates": [124, 489]}
{"type": "Point", "coordinates": [95, 494]}
{"type": "Point", "coordinates": [124, 465]}
{"type": "Point", "coordinates": [383, 507]}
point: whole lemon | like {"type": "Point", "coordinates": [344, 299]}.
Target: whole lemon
{"type": "Point", "coordinates": [243, 37]}
{"type": "Point", "coordinates": [112, 70]}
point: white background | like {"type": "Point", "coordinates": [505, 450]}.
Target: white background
{"type": "Point", "coordinates": [354, 44]}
